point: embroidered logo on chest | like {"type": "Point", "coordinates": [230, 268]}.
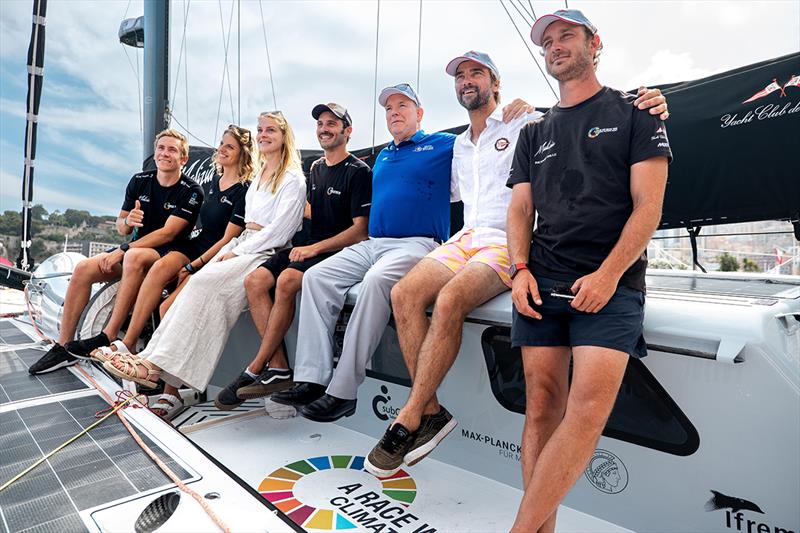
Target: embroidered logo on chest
{"type": "Point", "coordinates": [501, 144]}
{"type": "Point", "coordinates": [596, 131]}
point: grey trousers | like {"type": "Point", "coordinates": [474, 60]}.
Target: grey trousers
{"type": "Point", "coordinates": [378, 263]}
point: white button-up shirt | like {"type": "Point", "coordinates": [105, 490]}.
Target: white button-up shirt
{"type": "Point", "coordinates": [482, 170]}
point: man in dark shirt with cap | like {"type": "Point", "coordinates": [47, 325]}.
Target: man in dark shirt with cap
{"type": "Point", "coordinates": [594, 170]}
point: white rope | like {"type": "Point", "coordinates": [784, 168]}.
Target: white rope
{"type": "Point", "coordinates": [269, 63]}
{"type": "Point", "coordinates": [375, 84]}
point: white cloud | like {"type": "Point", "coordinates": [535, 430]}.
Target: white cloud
{"type": "Point", "coordinates": [10, 194]}
{"type": "Point", "coordinates": [667, 66]}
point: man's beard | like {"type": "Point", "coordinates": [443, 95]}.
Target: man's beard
{"type": "Point", "coordinates": [481, 99]}
{"type": "Point", "coordinates": [580, 65]}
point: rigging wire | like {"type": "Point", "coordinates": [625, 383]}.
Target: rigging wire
{"type": "Point", "coordinates": [522, 13]}
{"type": "Point", "coordinates": [419, 44]}
{"type": "Point", "coordinates": [181, 54]}
{"type": "Point", "coordinates": [225, 73]}
{"type": "Point", "coordinates": [533, 13]}
{"type": "Point", "coordinates": [192, 135]}
{"type": "Point", "coordinates": [135, 71]}
{"type": "Point", "coordinates": [375, 84]}
{"type": "Point", "coordinates": [186, 62]}
{"type": "Point", "coordinates": [533, 56]}
{"type": "Point", "coordinates": [269, 64]}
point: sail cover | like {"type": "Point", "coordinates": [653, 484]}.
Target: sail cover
{"type": "Point", "coordinates": [35, 77]}
{"type": "Point", "coordinates": [735, 137]}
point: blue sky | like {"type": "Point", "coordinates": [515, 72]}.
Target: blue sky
{"type": "Point", "coordinates": [89, 133]}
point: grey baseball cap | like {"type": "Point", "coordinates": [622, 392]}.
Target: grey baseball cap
{"type": "Point", "coordinates": [401, 88]}
{"type": "Point", "coordinates": [334, 108]}
{"type": "Point", "coordinates": [478, 57]}
{"type": "Point", "coordinates": [572, 16]}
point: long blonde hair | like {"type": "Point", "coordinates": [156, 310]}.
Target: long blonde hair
{"type": "Point", "coordinates": [247, 157]}
{"type": "Point", "coordinates": [290, 157]}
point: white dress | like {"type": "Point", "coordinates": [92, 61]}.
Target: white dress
{"type": "Point", "coordinates": [190, 339]}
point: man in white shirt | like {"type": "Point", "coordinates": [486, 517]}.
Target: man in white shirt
{"type": "Point", "coordinates": [469, 269]}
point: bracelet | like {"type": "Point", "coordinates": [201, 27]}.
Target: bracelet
{"type": "Point", "coordinates": [202, 260]}
{"type": "Point", "coordinates": [189, 268]}
{"type": "Point", "coordinates": [125, 221]}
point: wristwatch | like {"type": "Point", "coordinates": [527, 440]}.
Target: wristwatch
{"type": "Point", "coordinates": [515, 269]}
{"type": "Point", "coordinates": [124, 246]}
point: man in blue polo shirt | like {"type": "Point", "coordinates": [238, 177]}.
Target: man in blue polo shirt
{"type": "Point", "coordinates": [410, 216]}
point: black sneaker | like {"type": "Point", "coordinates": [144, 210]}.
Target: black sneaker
{"type": "Point", "coordinates": [299, 395]}
{"type": "Point", "coordinates": [82, 348]}
{"type": "Point", "coordinates": [386, 457]}
{"type": "Point", "coordinates": [432, 430]}
{"type": "Point", "coordinates": [227, 399]}
{"type": "Point", "coordinates": [55, 358]}
{"type": "Point", "coordinates": [266, 383]}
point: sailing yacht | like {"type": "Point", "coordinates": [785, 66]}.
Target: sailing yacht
{"type": "Point", "coordinates": [704, 435]}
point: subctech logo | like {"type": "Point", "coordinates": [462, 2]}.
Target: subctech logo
{"type": "Point", "coordinates": [595, 132]}
{"type": "Point", "coordinates": [381, 407]}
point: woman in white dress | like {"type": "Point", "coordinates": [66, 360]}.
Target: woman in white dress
{"type": "Point", "coordinates": [186, 347]}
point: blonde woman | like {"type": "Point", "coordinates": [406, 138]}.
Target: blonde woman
{"type": "Point", "coordinates": [221, 219]}
{"type": "Point", "coordinates": [186, 346]}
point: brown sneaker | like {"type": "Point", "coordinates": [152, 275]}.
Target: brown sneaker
{"type": "Point", "coordinates": [266, 383]}
{"type": "Point", "coordinates": [432, 430]}
{"type": "Point", "coordinates": [386, 457]}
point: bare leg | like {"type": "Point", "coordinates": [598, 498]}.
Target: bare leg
{"type": "Point", "coordinates": [271, 351]}
{"type": "Point", "coordinates": [468, 289]}
{"type": "Point", "coordinates": [134, 267]}
{"type": "Point", "coordinates": [159, 275]}
{"type": "Point", "coordinates": [547, 387]}
{"type": "Point", "coordinates": [597, 375]}
{"type": "Point", "coordinates": [165, 305]}
{"type": "Point", "coordinates": [258, 284]}
{"type": "Point", "coordinates": [411, 297]}
{"type": "Point", "coordinates": [79, 289]}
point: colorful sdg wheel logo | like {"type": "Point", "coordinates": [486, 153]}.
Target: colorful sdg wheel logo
{"type": "Point", "coordinates": [304, 490]}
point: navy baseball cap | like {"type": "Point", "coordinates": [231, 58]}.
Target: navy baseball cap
{"type": "Point", "coordinates": [401, 88]}
{"type": "Point", "coordinates": [472, 55]}
{"type": "Point", "coordinates": [572, 16]}
{"type": "Point", "coordinates": [338, 110]}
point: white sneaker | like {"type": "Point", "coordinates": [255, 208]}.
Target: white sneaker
{"type": "Point", "coordinates": [279, 411]}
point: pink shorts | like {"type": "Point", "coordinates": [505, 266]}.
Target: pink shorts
{"type": "Point", "coordinates": [457, 254]}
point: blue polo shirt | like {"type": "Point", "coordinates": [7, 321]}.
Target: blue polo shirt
{"type": "Point", "coordinates": [411, 188]}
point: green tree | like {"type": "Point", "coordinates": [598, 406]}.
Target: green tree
{"type": "Point", "coordinates": [10, 223]}
{"type": "Point", "coordinates": [748, 265]}
{"type": "Point", "coordinates": [38, 212]}
{"type": "Point", "coordinates": [727, 262]}
{"type": "Point", "coordinates": [75, 217]}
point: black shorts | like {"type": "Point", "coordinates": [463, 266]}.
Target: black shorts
{"type": "Point", "coordinates": [279, 262]}
{"type": "Point", "coordinates": [191, 249]}
{"type": "Point", "coordinates": [618, 326]}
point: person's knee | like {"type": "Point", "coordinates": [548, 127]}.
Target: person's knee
{"type": "Point", "coordinates": [137, 260]}
{"type": "Point", "coordinates": [375, 281]}
{"type": "Point", "coordinates": [258, 282]}
{"type": "Point", "coordinates": [589, 408]}
{"type": "Point", "coordinates": [161, 272]}
{"type": "Point", "coordinates": [544, 401]}
{"type": "Point", "coordinates": [289, 283]}
{"type": "Point", "coordinates": [85, 271]}
{"type": "Point", "coordinates": [404, 297]}
{"type": "Point", "coordinates": [450, 305]}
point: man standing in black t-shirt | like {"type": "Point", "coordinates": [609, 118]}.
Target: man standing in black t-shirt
{"type": "Point", "coordinates": [160, 206]}
{"type": "Point", "coordinates": [339, 199]}
{"type": "Point", "coordinates": [594, 169]}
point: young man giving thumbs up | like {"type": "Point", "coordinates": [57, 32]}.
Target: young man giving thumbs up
{"type": "Point", "coordinates": [160, 206]}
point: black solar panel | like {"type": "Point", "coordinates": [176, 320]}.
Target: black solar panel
{"type": "Point", "coordinates": [100, 467]}
{"type": "Point", "coordinates": [16, 384]}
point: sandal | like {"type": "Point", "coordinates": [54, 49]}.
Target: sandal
{"type": "Point", "coordinates": [106, 353]}
{"type": "Point", "coordinates": [169, 404]}
{"type": "Point", "coordinates": [130, 369]}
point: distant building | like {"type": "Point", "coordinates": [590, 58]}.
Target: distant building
{"type": "Point", "coordinates": [99, 247]}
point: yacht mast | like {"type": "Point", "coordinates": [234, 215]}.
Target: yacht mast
{"type": "Point", "coordinates": [156, 71]}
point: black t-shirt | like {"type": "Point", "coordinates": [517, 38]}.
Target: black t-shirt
{"type": "Point", "coordinates": [159, 203]}
{"type": "Point", "coordinates": [578, 161]}
{"type": "Point", "coordinates": [219, 209]}
{"type": "Point", "coordinates": [337, 195]}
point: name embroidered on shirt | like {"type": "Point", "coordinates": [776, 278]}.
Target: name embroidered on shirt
{"type": "Point", "coordinates": [224, 200]}
{"type": "Point", "coordinates": [425, 148]}
{"type": "Point", "coordinates": [595, 132]}
{"type": "Point", "coordinates": [144, 198]}
{"type": "Point", "coordinates": [331, 191]}
{"type": "Point", "coordinates": [168, 205]}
